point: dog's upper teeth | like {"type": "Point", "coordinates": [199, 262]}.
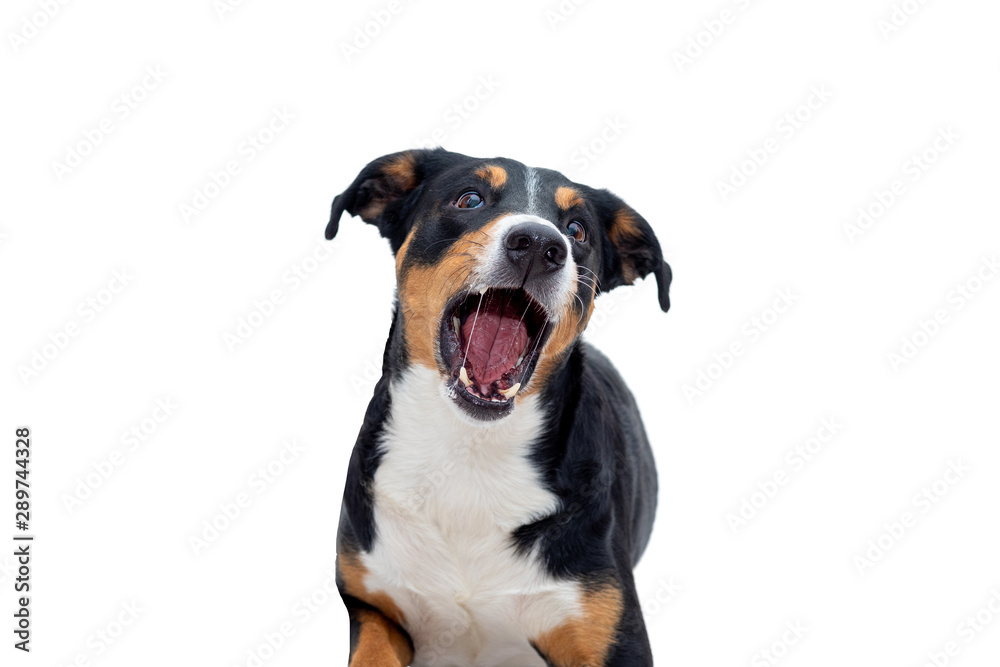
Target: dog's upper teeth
{"type": "Point", "coordinates": [457, 323]}
{"type": "Point", "coordinates": [519, 360]}
{"type": "Point", "coordinates": [464, 375]}
{"type": "Point", "coordinates": [509, 393]}
{"type": "Point", "coordinates": [483, 291]}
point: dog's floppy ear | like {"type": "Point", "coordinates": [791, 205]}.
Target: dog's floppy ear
{"type": "Point", "coordinates": [631, 250]}
{"type": "Point", "coordinates": [380, 192]}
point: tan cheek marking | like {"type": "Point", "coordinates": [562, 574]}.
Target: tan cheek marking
{"type": "Point", "coordinates": [403, 249]}
{"type": "Point", "coordinates": [380, 643]}
{"type": "Point", "coordinates": [567, 198]}
{"type": "Point", "coordinates": [585, 641]}
{"type": "Point", "coordinates": [496, 176]}
{"type": "Point", "coordinates": [424, 291]}
{"type": "Point", "coordinates": [353, 573]}
{"type": "Point", "coordinates": [570, 326]}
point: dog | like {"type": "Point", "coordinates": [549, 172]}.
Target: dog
{"type": "Point", "coordinates": [502, 487]}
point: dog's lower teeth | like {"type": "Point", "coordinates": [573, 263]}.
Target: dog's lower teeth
{"type": "Point", "coordinates": [519, 360]}
{"type": "Point", "coordinates": [457, 323]}
{"type": "Point", "coordinates": [464, 376]}
{"type": "Point", "coordinates": [509, 393]}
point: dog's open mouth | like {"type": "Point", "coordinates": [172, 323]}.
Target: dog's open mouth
{"type": "Point", "coordinates": [490, 341]}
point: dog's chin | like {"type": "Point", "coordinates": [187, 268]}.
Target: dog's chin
{"type": "Point", "coordinates": [490, 343]}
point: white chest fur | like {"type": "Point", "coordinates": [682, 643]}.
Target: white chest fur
{"type": "Point", "coordinates": [447, 496]}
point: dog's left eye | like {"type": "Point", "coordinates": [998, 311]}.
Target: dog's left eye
{"type": "Point", "coordinates": [576, 231]}
{"type": "Point", "coordinates": [469, 200]}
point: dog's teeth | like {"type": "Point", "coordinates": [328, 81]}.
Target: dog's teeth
{"type": "Point", "coordinates": [509, 393]}
{"type": "Point", "coordinates": [483, 291]}
{"type": "Point", "coordinates": [464, 375]}
{"type": "Point", "coordinates": [457, 323]}
{"type": "Point", "coordinates": [519, 360]}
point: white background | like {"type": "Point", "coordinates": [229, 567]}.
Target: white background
{"type": "Point", "coordinates": [663, 134]}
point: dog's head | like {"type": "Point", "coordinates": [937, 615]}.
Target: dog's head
{"type": "Point", "coordinates": [497, 266]}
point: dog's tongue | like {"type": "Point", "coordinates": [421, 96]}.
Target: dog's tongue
{"type": "Point", "coordinates": [493, 340]}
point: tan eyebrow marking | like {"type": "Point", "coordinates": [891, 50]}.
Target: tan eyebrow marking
{"type": "Point", "coordinates": [567, 198]}
{"type": "Point", "coordinates": [495, 175]}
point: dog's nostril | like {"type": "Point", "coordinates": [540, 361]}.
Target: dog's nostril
{"type": "Point", "coordinates": [518, 242]}
{"type": "Point", "coordinates": [556, 254]}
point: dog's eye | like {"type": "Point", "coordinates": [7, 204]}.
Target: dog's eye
{"type": "Point", "coordinates": [469, 200]}
{"type": "Point", "coordinates": [576, 231]}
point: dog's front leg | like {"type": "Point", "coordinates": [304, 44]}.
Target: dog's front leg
{"type": "Point", "coordinates": [610, 632]}
{"type": "Point", "coordinates": [376, 640]}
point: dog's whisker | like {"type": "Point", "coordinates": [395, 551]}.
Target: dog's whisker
{"type": "Point", "coordinates": [582, 308]}
{"type": "Point", "coordinates": [593, 275]}
{"type": "Point", "coordinates": [472, 332]}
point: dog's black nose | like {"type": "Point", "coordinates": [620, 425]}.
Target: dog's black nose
{"type": "Point", "coordinates": [534, 245]}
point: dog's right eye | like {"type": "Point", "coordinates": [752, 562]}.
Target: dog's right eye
{"type": "Point", "coordinates": [469, 200]}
